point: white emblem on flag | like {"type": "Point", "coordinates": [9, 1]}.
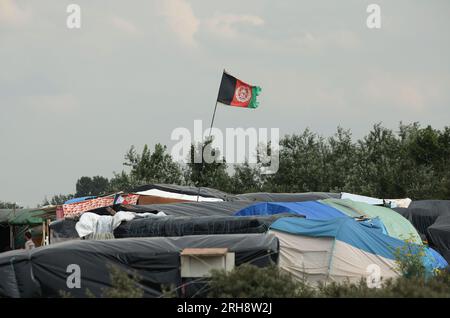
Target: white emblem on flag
{"type": "Point", "coordinates": [243, 94]}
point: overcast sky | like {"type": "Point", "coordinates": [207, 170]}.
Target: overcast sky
{"type": "Point", "coordinates": [73, 101]}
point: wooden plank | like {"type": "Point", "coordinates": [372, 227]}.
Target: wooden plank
{"type": "Point", "coordinates": [204, 251]}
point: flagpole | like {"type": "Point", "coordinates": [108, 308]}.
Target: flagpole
{"type": "Point", "coordinates": [215, 108]}
{"type": "Point", "coordinates": [212, 120]}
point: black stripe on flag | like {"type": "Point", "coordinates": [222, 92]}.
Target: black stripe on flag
{"type": "Point", "coordinates": [227, 88]}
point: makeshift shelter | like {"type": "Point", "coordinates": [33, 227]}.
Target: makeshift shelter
{"type": "Point", "coordinates": [14, 224]}
{"type": "Point", "coordinates": [287, 197]}
{"type": "Point", "coordinates": [421, 218]}
{"type": "Point", "coordinates": [311, 209]}
{"type": "Point", "coordinates": [396, 225]}
{"type": "Point", "coordinates": [432, 219]}
{"type": "Point", "coordinates": [439, 234]}
{"type": "Point", "coordinates": [166, 193]}
{"type": "Point", "coordinates": [339, 249]}
{"type": "Point", "coordinates": [63, 230]}
{"type": "Point", "coordinates": [439, 206]}
{"type": "Point", "coordinates": [227, 208]}
{"type": "Point", "coordinates": [43, 272]}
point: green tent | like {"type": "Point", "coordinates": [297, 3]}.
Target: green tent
{"type": "Point", "coordinates": [396, 225]}
{"type": "Point", "coordinates": [28, 217]}
{"type": "Point", "coordinates": [22, 220]}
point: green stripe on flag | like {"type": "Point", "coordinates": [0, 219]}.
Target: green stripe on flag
{"type": "Point", "coordinates": [256, 90]}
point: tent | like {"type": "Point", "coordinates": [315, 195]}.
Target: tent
{"type": "Point", "coordinates": [338, 250]}
{"type": "Point", "coordinates": [17, 222]}
{"type": "Point", "coordinates": [287, 197]}
{"type": "Point", "coordinates": [43, 272]}
{"type": "Point", "coordinates": [396, 225]}
{"type": "Point", "coordinates": [311, 209]}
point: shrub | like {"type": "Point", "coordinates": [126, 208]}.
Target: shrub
{"type": "Point", "coordinates": [248, 281]}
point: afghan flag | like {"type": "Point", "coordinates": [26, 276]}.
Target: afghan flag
{"type": "Point", "coordinates": [235, 92]}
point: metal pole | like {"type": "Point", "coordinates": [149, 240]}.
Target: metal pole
{"type": "Point", "coordinates": [215, 108]}
{"type": "Point", "coordinates": [212, 120]}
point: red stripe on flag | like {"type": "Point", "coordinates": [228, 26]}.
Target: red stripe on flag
{"type": "Point", "coordinates": [242, 94]}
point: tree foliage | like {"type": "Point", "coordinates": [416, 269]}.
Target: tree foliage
{"type": "Point", "coordinates": [87, 186]}
{"type": "Point", "coordinates": [152, 167]}
{"type": "Point", "coordinates": [411, 162]}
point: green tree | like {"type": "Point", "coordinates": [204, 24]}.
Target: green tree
{"type": "Point", "coordinates": [202, 173]}
{"type": "Point", "coordinates": [246, 179]}
{"type": "Point", "coordinates": [302, 164]}
{"type": "Point", "coordinates": [57, 199]}
{"type": "Point", "coordinates": [87, 186]}
{"type": "Point", "coordinates": [8, 205]}
{"type": "Point", "coordinates": [148, 167]}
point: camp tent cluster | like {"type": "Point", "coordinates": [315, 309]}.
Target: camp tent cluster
{"type": "Point", "coordinates": [159, 231]}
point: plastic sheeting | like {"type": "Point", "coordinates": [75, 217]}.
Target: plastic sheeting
{"type": "Point", "coordinates": [288, 197]}
{"type": "Point", "coordinates": [191, 208]}
{"type": "Point", "coordinates": [311, 210]}
{"type": "Point", "coordinates": [186, 190]}
{"type": "Point", "coordinates": [432, 219]}
{"type": "Point", "coordinates": [440, 206]}
{"type": "Point", "coordinates": [361, 198]}
{"type": "Point", "coordinates": [439, 234]}
{"type": "Point", "coordinates": [63, 230]}
{"type": "Point", "coordinates": [155, 260]}
{"type": "Point", "coordinates": [421, 218]}
{"type": "Point", "coordinates": [206, 225]}
{"type": "Point", "coordinates": [396, 225]}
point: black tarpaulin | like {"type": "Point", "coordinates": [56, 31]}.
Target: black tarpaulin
{"type": "Point", "coordinates": [63, 230]}
{"type": "Point", "coordinates": [432, 219]}
{"type": "Point", "coordinates": [439, 234]}
{"type": "Point", "coordinates": [155, 260]}
{"type": "Point", "coordinates": [439, 206]}
{"type": "Point", "coordinates": [191, 208]}
{"type": "Point", "coordinates": [206, 225]}
{"type": "Point", "coordinates": [288, 197]}
{"type": "Point", "coordinates": [422, 219]}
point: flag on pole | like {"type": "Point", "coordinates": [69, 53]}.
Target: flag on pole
{"type": "Point", "coordinates": [235, 92]}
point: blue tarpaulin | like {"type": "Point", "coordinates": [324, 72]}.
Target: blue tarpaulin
{"type": "Point", "coordinates": [310, 209]}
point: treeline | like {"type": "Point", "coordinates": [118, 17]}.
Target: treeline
{"type": "Point", "coordinates": [412, 162]}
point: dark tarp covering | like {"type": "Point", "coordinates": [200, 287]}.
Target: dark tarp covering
{"type": "Point", "coordinates": [155, 260]}
{"type": "Point", "coordinates": [439, 234]}
{"type": "Point", "coordinates": [202, 191]}
{"type": "Point", "coordinates": [206, 225]}
{"type": "Point", "coordinates": [191, 208]}
{"type": "Point", "coordinates": [422, 219]}
{"type": "Point", "coordinates": [439, 206]}
{"type": "Point", "coordinates": [432, 219]}
{"type": "Point", "coordinates": [63, 230]}
{"type": "Point", "coordinates": [288, 197]}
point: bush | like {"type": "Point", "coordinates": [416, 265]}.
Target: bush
{"type": "Point", "coordinates": [248, 281]}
